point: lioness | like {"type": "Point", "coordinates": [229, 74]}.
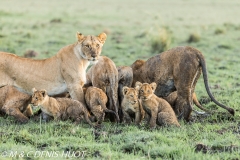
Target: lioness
{"type": "Point", "coordinates": [15, 103]}
{"type": "Point", "coordinates": [60, 108]}
{"type": "Point", "coordinates": [66, 71]}
{"type": "Point", "coordinates": [104, 75]}
{"type": "Point", "coordinates": [131, 106]}
{"type": "Point", "coordinates": [157, 108]}
{"type": "Point", "coordinates": [177, 69]}
{"type": "Point", "coordinates": [96, 101]}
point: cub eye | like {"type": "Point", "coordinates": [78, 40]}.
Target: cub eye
{"type": "Point", "coordinates": [148, 91]}
{"type": "Point", "coordinates": [97, 45]}
{"type": "Point", "coordinates": [141, 91]}
{"type": "Point", "coordinates": [87, 46]}
{"type": "Point", "coordinates": [36, 98]}
{"type": "Point", "coordinates": [131, 95]}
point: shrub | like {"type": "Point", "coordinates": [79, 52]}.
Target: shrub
{"type": "Point", "coordinates": [194, 37]}
{"type": "Point", "coordinates": [219, 31]}
{"type": "Point", "coordinates": [160, 41]}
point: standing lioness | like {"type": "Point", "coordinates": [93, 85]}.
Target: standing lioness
{"type": "Point", "coordinates": [66, 71]}
{"type": "Point", "coordinates": [177, 69]}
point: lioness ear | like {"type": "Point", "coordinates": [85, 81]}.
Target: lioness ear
{"type": "Point", "coordinates": [153, 86]}
{"type": "Point", "coordinates": [79, 36]}
{"type": "Point", "coordinates": [102, 37]}
{"type": "Point", "coordinates": [44, 92]}
{"type": "Point", "coordinates": [34, 90]}
{"type": "Point", "coordinates": [138, 85]}
{"type": "Point", "coordinates": [124, 90]}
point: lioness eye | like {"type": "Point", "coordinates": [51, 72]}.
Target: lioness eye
{"type": "Point", "coordinates": [87, 46]}
{"type": "Point", "coordinates": [141, 91]}
{"type": "Point", "coordinates": [97, 45]}
{"type": "Point", "coordinates": [36, 98]}
{"type": "Point", "coordinates": [131, 95]}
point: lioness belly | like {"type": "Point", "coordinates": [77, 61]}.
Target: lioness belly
{"type": "Point", "coordinates": [164, 89]}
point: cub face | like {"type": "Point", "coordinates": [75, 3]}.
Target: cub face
{"type": "Point", "coordinates": [90, 47]}
{"type": "Point", "coordinates": [146, 91]}
{"type": "Point", "coordinates": [38, 97]}
{"type": "Point", "coordinates": [130, 94]}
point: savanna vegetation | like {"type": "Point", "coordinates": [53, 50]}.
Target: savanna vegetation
{"type": "Point", "coordinates": [136, 30]}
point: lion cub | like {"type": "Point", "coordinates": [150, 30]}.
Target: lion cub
{"type": "Point", "coordinates": [131, 105]}
{"type": "Point", "coordinates": [60, 108]}
{"type": "Point", "coordinates": [157, 108]}
{"type": "Point", "coordinates": [15, 103]}
{"type": "Point", "coordinates": [96, 101]}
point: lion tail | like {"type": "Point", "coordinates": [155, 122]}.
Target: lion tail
{"type": "Point", "coordinates": [205, 78]}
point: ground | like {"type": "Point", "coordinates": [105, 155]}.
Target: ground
{"type": "Point", "coordinates": [136, 30]}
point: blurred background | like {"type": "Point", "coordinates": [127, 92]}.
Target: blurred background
{"type": "Point", "coordinates": [136, 29]}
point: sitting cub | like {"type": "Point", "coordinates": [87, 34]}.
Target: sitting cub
{"type": "Point", "coordinates": [131, 107]}
{"type": "Point", "coordinates": [15, 103]}
{"type": "Point", "coordinates": [96, 101]}
{"type": "Point", "coordinates": [157, 108]}
{"type": "Point", "coordinates": [60, 108]}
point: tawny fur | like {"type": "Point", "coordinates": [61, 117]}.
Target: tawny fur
{"type": "Point", "coordinates": [131, 106]}
{"type": "Point", "coordinates": [15, 103]}
{"type": "Point", "coordinates": [65, 71]}
{"type": "Point", "coordinates": [158, 109]}
{"type": "Point", "coordinates": [104, 75]}
{"type": "Point", "coordinates": [60, 108]}
{"type": "Point", "coordinates": [172, 98]}
{"type": "Point", "coordinates": [96, 101]}
{"type": "Point", "coordinates": [177, 69]}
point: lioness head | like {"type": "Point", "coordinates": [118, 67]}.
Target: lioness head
{"type": "Point", "coordinates": [145, 90]}
{"type": "Point", "coordinates": [38, 97]}
{"type": "Point", "coordinates": [90, 47]}
{"type": "Point", "coordinates": [130, 94]}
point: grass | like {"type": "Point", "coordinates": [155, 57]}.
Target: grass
{"type": "Point", "coordinates": [46, 26]}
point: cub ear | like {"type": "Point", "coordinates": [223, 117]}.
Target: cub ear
{"type": "Point", "coordinates": [124, 90]}
{"type": "Point", "coordinates": [153, 86]}
{"type": "Point", "coordinates": [102, 37]}
{"type": "Point", "coordinates": [79, 36]}
{"type": "Point", "coordinates": [138, 85]}
{"type": "Point", "coordinates": [34, 90]}
{"type": "Point", "coordinates": [43, 92]}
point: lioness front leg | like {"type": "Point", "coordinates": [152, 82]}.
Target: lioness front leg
{"type": "Point", "coordinates": [76, 92]}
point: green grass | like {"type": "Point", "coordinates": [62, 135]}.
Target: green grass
{"type": "Point", "coordinates": [46, 26]}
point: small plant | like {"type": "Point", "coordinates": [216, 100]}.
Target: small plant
{"type": "Point", "coordinates": [219, 31]}
{"type": "Point", "coordinates": [194, 37]}
{"type": "Point", "coordinates": [160, 41]}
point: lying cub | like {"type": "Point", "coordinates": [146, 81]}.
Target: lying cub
{"type": "Point", "coordinates": [60, 108]}
{"type": "Point", "coordinates": [172, 98]}
{"type": "Point", "coordinates": [157, 108]}
{"type": "Point", "coordinates": [131, 106]}
{"type": "Point", "coordinates": [96, 101]}
{"type": "Point", "coordinates": [15, 103]}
